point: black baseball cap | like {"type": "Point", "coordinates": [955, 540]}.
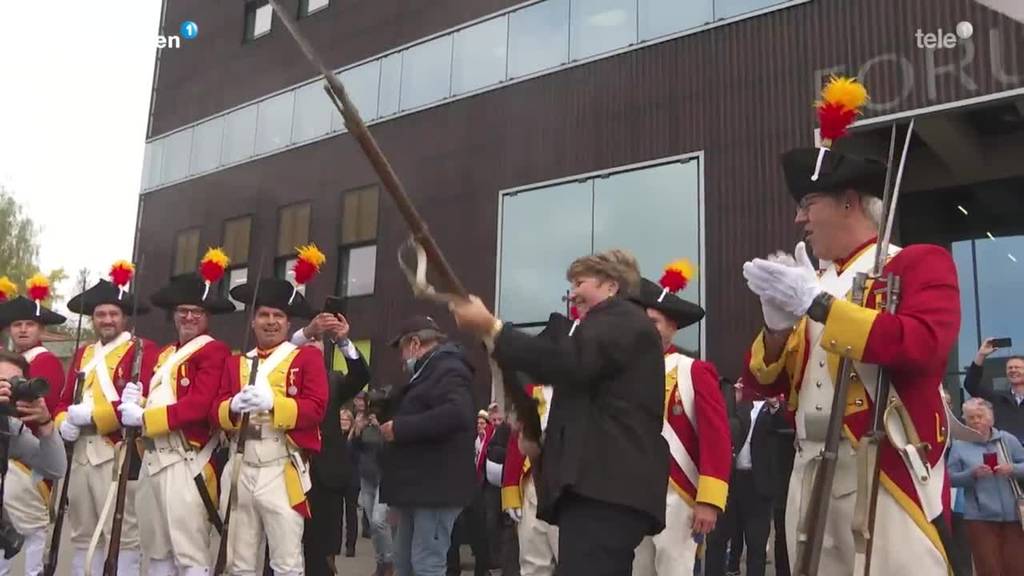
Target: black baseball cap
{"type": "Point", "coordinates": [415, 324]}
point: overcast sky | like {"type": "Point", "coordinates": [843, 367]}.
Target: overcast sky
{"type": "Point", "coordinates": [75, 81]}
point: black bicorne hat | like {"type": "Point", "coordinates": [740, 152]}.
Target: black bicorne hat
{"type": "Point", "coordinates": [275, 293]}
{"type": "Point", "coordinates": [682, 312]}
{"type": "Point", "coordinates": [192, 290]}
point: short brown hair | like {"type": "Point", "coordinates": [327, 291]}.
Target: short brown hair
{"type": "Point", "coordinates": [617, 265]}
{"type": "Point", "coordinates": [8, 357]}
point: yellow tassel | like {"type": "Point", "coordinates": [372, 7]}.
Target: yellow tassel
{"type": "Point", "coordinates": [216, 256]}
{"type": "Point", "coordinates": [7, 288]}
{"type": "Point", "coordinates": [683, 267]}
{"type": "Point", "coordinates": [310, 253]}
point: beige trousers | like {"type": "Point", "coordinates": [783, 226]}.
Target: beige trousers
{"type": "Point", "coordinates": [87, 492]}
{"type": "Point", "coordinates": [262, 514]}
{"type": "Point", "coordinates": [538, 540]}
{"type": "Point", "coordinates": [175, 527]}
{"type": "Point", "coordinates": [673, 552]}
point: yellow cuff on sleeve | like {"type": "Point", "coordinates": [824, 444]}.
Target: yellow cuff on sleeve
{"type": "Point", "coordinates": [768, 373]}
{"type": "Point", "coordinates": [711, 490]}
{"type": "Point", "coordinates": [154, 422]}
{"type": "Point", "coordinates": [511, 497]}
{"type": "Point", "coordinates": [224, 416]}
{"type": "Point", "coordinates": [105, 418]}
{"type": "Point", "coordinates": [847, 329]}
{"type": "Point", "coordinates": [286, 412]}
{"type": "Point", "coordinates": [59, 419]}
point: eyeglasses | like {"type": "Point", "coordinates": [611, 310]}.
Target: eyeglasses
{"type": "Point", "coordinates": [185, 313]}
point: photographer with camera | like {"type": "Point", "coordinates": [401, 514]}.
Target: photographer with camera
{"type": "Point", "coordinates": [22, 409]}
{"type": "Point", "coordinates": [427, 463]}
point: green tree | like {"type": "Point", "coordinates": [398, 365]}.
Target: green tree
{"type": "Point", "coordinates": [19, 248]}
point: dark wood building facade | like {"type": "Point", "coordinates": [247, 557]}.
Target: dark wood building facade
{"type": "Point", "coordinates": [736, 93]}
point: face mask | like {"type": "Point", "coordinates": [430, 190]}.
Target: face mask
{"type": "Point", "coordinates": [410, 365]}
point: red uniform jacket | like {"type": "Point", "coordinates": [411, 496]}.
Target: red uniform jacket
{"type": "Point", "coordinates": [48, 367]}
{"type": "Point", "coordinates": [912, 345]}
{"type": "Point", "coordinates": [105, 416]}
{"type": "Point", "coordinates": [196, 384]}
{"type": "Point", "coordinates": [298, 411]}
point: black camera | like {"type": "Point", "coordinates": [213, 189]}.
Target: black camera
{"type": "Point", "coordinates": [11, 540]}
{"type": "Point", "coordinates": [28, 389]}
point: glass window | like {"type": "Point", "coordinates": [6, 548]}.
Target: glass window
{"type": "Point", "coordinates": [969, 339]}
{"type": "Point", "coordinates": [284, 268]}
{"type": "Point", "coordinates": [359, 215]}
{"type": "Point", "coordinates": [661, 17]}
{"type": "Point", "coordinates": [206, 145]}
{"type": "Point", "coordinates": [1000, 286]}
{"type": "Point", "coordinates": [152, 164]}
{"type": "Point", "coordinates": [602, 25]}
{"type": "Point", "coordinates": [312, 112]}
{"type": "Point", "coordinates": [293, 228]}
{"type": "Point", "coordinates": [274, 123]}
{"type": "Point", "coordinates": [542, 232]}
{"type": "Point", "coordinates": [176, 156]}
{"type": "Point", "coordinates": [479, 58]}
{"type": "Point", "coordinates": [239, 135]}
{"type": "Point", "coordinates": [538, 37]}
{"type": "Point", "coordinates": [235, 277]}
{"type": "Point", "coordinates": [358, 270]}
{"type": "Point", "coordinates": [361, 83]}
{"type": "Point", "coordinates": [237, 232]}
{"type": "Point", "coordinates": [186, 252]}
{"type": "Point", "coordinates": [258, 18]}
{"type": "Point", "coordinates": [426, 72]}
{"type": "Point", "coordinates": [308, 7]}
{"type": "Point", "coordinates": [390, 84]}
{"type": "Point", "coordinates": [653, 213]}
{"type": "Point", "coordinates": [730, 8]}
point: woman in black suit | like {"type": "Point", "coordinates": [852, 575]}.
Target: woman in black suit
{"type": "Point", "coordinates": [604, 465]}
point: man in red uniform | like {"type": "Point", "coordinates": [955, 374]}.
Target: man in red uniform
{"type": "Point", "coordinates": [810, 322]}
{"type": "Point", "coordinates": [285, 405]}
{"type": "Point", "coordinates": [177, 434]}
{"type": "Point", "coordinates": [697, 431]}
{"type": "Point", "coordinates": [24, 493]}
{"type": "Point", "coordinates": [106, 368]}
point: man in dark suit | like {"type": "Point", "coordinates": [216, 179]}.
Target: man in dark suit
{"type": "Point", "coordinates": [331, 468]}
{"type": "Point", "coordinates": [754, 485]}
{"type": "Point", "coordinates": [1008, 405]}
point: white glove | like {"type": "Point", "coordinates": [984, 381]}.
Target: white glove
{"type": "Point", "coordinates": [131, 414]}
{"type": "Point", "coordinates": [516, 514]}
{"type": "Point", "coordinates": [791, 288]}
{"type": "Point", "coordinates": [240, 402]}
{"type": "Point", "coordinates": [80, 415]}
{"type": "Point", "coordinates": [261, 399]}
{"type": "Point", "coordinates": [132, 394]}
{"type": "Point", "coordinates": [68, 431]}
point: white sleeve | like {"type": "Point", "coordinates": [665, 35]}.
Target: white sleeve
{"type": "Point", "coordinates": [349, 349]}
{"type": "Point", "coordinates": [493, 473]}
{"type": "Point", "coordinates": [299, 338]}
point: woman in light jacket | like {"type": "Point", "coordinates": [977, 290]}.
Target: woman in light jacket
{"type": "Point", "coordinates": [982, 469]}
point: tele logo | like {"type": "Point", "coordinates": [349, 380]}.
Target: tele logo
{"type": "Point", "coordinates": [944, 40]}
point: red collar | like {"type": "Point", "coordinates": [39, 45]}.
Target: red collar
{"type": "Point", "coordinates": [842, 263]}
{"type": "Point", "coordinates": [671, 349]}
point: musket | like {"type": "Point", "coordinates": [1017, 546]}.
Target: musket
{"type": "Point", "coordinates": [339, 96]}
{"type": "Point", "coordinates": [50, 566]}
{"type": "Point", "coordinates": [131, 460]}
{"type": "Point", "coordinates": [222, 549]}
{"type": "Point", "coordinates": [871, 442]}
{"type": "Point", "coordinates": [811, 531]}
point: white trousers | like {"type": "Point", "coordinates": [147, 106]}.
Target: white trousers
{"type": "Point", "coordinates": [900, 546]}
{"type": "Point", "coordinates": [673, 552]}
{"type": "Point", "coordinates": [87, 493]}
{"type": "Point", "coordinates": [176, 526]}
{"type": "Point", "coordinates": [32, 550]}
{"type": "Point", "coordinates": [538, 540]}
{"type": "Point", "coordinates": [262, 512]}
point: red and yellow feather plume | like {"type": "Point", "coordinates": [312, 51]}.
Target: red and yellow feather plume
{"type": "Point", "coordinates": [7, 289]}
{"type": "Point", "coordinates": [38, 287]}
{"type": "Point", "coordinates": [310, 259]}
{"type": "Point", "coordinates": [677, 275]}
{"type": "Point", "coordinates": [213, 265]}
{"type": "Point", "coordinates": [121, 273]}
{"type": "Point", "coordinates": [840, 104]}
